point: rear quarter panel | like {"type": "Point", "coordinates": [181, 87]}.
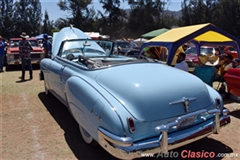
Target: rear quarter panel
{"type": "Point", "coordinates": [93, 109]}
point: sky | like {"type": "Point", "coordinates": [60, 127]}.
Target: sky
{"type": "Point", "coordinates": [54, 12]}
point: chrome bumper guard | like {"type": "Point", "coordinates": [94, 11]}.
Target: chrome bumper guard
{"type": "Point", "coordinates": [16, 62]}
{"type": "Point", "coordinates": [124, 148]}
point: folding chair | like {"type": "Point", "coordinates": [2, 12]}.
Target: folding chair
{"type": "Point", "coordinates": [205, 74]}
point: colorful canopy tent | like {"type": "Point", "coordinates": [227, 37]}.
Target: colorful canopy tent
{"type": "Point", "coordinates": [93, 35]}
{"type": "Point", "coordinates": [154, 33]}
{"type": "Point", "coordinates": [40, 36]}
{"type": "Point", "coordinates": [198, 34]}
{"type": "Point", "coordinates": [140, 41]}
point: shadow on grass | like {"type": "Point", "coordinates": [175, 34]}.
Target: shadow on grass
{"type": "Point", "coordinates": [22, 81]}
{"type": "Point", "coordinates": [11, 68]}
{"type": "Point", "coordinates": [71, 131]}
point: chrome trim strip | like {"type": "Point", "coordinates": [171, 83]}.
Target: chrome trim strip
{"type": "Point", "coordinates": [124, 148]}
{"type": "Point", "coordinates": [183, 100]}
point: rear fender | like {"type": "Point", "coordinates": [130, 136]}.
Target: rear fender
{"type": "Point", "coordinates": [86, 104]}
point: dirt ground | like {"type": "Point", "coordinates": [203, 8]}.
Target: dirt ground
{"type": "Point", "coordinates": [36, 127]}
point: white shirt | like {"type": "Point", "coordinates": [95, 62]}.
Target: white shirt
{"type": "Point", "coordinates": [228, 66]}
{"type": "Point", "coordinates": [182, 65]}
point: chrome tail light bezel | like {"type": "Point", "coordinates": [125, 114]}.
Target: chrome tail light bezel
{"type": "Point", "coordinates": [131, 125]}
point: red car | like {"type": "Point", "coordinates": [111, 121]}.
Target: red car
{"type": "Point", "coordinates": [231, 50]}
{"type": "Point", "coordinates": [232, 78]}
{"type": "Point", "coordinates": [13, 51]}
{"type": "Point", "coordinates": [192, 57]}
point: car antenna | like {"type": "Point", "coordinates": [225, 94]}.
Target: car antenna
{"type": "Point", "coordinates": [71, 27]}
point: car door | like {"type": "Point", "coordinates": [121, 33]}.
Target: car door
{"type": "Point", "coordinates": [67, 70]}
{"type": "Point", "coordinates": [55, 78]}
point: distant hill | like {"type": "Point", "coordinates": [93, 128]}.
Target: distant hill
{"type": "Point", "coordinates": [176, 14]}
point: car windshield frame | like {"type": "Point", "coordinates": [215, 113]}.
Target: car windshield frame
{"type": "Point", "coordinates": [90, 55]}
{"type": "Point", "coordinates": [86, 47]}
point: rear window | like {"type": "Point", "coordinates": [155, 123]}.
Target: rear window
{"type": "Point", "coordinates": [123, 44]}
{"type": "Point", "coordinates": [204, 51]}
{"type": "Point", "coordinates": [191, 51]}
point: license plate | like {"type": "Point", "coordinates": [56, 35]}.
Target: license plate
{"type": "Point", "coordinates": [16, 62]}
{"type": "Point", "coordinates": [186, 123]}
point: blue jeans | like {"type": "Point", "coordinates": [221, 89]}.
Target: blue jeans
{"type": "Point", "coordinates": [1, 61]}
{"type": "Point", "coordinates": [28, 61]}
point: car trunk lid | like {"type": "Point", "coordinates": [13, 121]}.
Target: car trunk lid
{"type": "Point", "coordinates": [154, 91]}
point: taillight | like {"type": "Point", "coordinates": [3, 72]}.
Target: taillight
{"type": "Point", "coordinates": [217, 102]}
{"type": "Point", "coordinates": [131, 125]}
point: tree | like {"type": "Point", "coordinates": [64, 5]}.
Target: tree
{"type": "Point", "coordinates": [27, 16]}
{"type": "Point", "coordinates": [115, 16]}
{"type": "Point", "coordinates": [82, 16]}
{"type": "Point", "coordinates": [35, 11]}
{"type": "Point", "coordinates": [61, 23]}
{"type": "Point", "coordinates": [7, 26]}
{"type": "Point", "coordinates": [47, 24]}
{"type": "Point", "coordinates": [146, 15]}
{"type": "Point", "coordinates": [229, 11]}
{"type": "Point", "coordinates": [222, 13]}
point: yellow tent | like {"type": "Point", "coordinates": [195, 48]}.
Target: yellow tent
{"type": "Point", "coordinates": [198, 34]}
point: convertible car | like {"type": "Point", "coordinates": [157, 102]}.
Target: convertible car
{"type": "Point", "coordinates": [129, 106]}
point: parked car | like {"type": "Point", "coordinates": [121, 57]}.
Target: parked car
{"type": "Point", "coordinates": [231, 50]}
{"type": "Point", "coordinates": [232, 78]}
{"type": "Point", "coordinates": [192, 57]}
{"type": "Point", "coordinates": [126, 48]}
{"type": "Point", "coordinates": [129, 106]}
{"type": "Point", "coordinates": [13, 51]}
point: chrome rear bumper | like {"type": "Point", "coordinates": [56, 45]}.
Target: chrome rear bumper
{"type": "Point", "coordinates": [124, 148]}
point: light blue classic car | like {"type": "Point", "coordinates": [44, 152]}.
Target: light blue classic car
{"type": "Point", "coordinates": [129, 106]}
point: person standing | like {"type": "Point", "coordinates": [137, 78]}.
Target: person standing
{"type": "Point", "coordinates": [181, 64]}
{"type": "Point", "coordinates": [2, 53]}
{"type": "Point", "coordinates": [25, 49]}
{"type": "Point", "coordinates": [47, 46]}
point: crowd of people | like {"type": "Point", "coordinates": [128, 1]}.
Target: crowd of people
{"type": "Point", "coordinates": [216, 69]}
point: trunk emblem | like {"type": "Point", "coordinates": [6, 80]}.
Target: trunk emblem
{"type": "Point", "coordinates": [185, 102]}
